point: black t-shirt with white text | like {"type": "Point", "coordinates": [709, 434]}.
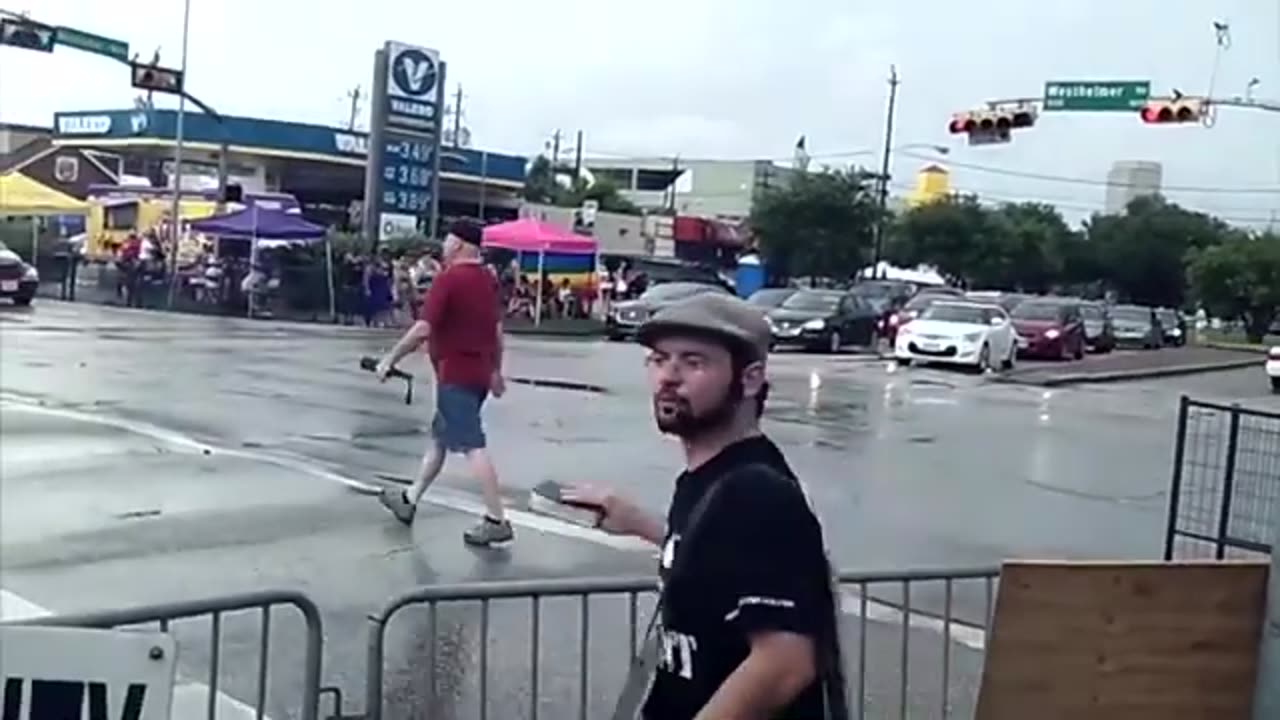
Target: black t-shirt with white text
{"type": "Point", "coordinates": [757, 563]}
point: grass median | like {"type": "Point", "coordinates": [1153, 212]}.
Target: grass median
{"type": "Point", "coordinates": [1236, 340]}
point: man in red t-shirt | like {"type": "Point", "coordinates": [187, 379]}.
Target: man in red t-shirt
{"type": "Point", "coordinates": [461, 324]}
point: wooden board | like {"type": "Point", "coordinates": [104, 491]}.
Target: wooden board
{"type": "Point", "coordinates": [1131, 641]}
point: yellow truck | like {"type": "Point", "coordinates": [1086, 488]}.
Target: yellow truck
{"type": "Point", "coordinates": [117, 211]}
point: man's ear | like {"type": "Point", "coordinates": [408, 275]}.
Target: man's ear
{"type": "Point", "coordinates": [752, 379]}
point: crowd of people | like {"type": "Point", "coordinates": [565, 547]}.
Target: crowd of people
{"type": "Point", "coordinates": [384, 289]}
{"type": "Point", "coordinates": [380, 289]}
{"type": "Point", "coordinates": [140, 261]}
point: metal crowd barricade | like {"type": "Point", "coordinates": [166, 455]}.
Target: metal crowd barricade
{"type": "Point", "coordinates": [167, 615]}
{"type": "Point", "coordinates": [896, 626]}
{"type": "Point", "coordinates": [1224, 499]}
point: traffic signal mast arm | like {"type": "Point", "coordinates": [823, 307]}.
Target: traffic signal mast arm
{"type": "Point", "coordinates": [1008, 104]}
{"type": "Point", "coordinates": [994, 123]}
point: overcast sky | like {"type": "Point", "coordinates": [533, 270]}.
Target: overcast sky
{"type": "Point", "coordinates": [725, 78]}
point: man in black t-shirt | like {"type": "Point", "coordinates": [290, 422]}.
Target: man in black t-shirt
{"type": "Point", "coordinates": [748, 623]}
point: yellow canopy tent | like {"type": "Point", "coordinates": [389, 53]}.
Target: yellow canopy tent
{"type": "Point", "coordinates": [22, 196]}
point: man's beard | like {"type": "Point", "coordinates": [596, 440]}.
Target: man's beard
{"type": "Point", "coordinates": [685, 424]}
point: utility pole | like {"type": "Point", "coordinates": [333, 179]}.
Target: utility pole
{"type": "Point", "coordinates": [555, 153]}
{"type": "Point", "coordinates": [457, 117]}
{"type": "Point", "coordinates": [577, 159]}
{"type": "Point", "coordinates": [484, 183]}
{"type": "Point", "coordinates": [885, 160]}
{"type": "Point", "coordinates": [675, 176]}
{"type": "Point", "coordinates": [1266, 694]}
{"type": "Point", "coordinates": [175, 225]}
{"type": "Point", "coordinates": [354, 94]}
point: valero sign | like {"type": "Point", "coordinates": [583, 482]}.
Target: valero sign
{"type": "Point", "coordinates": [84, 124]}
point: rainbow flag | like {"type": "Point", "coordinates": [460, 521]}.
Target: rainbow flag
{"type": "Point", "coordinates": [578, 269]}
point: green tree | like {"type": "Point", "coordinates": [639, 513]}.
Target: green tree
{"type": "Point", "coordinates": [817, 224]}
{"type": "Point", "coordinates": [603, 191]}
{"type": "Point", "coordinates": [1013, 247]}
{"type": "Point", "coordinates": [1142, 252]}
{"type": "Point", "coordinates": [540, 184]}
{"type": "Point", "coordinates": [947, 234]}
{"type": "Point", "coordinates": [1082, 270]}
{"type": "Point", "coordinates": [1240, 279]}
{"type": "Point", "coordinates": [1024, 247]}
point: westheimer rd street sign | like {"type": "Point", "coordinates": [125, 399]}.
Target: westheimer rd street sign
{"type": "Point", "coordinates": [89, 42]}
{"type": "Point", "coordinates": [1123, 95]}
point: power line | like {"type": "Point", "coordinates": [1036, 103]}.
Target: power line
{"type": "Point", "coordinates": [1095, 183]}
{"type": "Point", "coordinates": [597, 154]}
{"type": "Point", "coordinates": [997, 198]}
{"type": "Point", "coordinates": [1067, 200]}
{"type": "Point", "coordinates": [935, 158]}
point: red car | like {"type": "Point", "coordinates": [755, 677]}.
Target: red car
{"type": "Point", "coordinates": [1050, 328]}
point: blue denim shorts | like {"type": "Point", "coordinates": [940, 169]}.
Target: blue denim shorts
{"type": "Point", "coordinates": [457, 425]}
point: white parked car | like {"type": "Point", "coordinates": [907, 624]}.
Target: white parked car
{"type": "Point", "coordinates": [1273, 368]}
{"type": "Point", "coordinates": [959, 333]}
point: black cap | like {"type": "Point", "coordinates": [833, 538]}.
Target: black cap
{"type": "Point", "coordinates": [467, 231]}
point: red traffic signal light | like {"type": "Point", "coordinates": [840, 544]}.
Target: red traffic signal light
{"type": "Point", "coordinates": [991, 122]}
{"type": "Point", "coordinates": [962, 123]}
{"type": "Point", "coordinates": [1175, 112]}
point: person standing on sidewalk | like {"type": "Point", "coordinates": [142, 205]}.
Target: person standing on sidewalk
{"type": "Point", "coordinates": [461, 325]}
{"type": "Point", "coordinates": [748, 615]}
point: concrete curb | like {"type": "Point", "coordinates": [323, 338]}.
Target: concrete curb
{"type": "Point", "coordinates": [1125, 375]}
{"type": "Point", "coordinates": [586, 333]}
{"type": "Point", "coordinates": [1237, 347]}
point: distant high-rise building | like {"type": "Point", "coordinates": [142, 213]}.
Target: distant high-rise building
{"type": "Point", "coordinates": [1131, 179]}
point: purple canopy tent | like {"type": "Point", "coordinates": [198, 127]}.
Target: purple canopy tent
{"type": "Point", "coordinates": [255, 223]}
{"type": "Point", "coordinates": [276, 227]}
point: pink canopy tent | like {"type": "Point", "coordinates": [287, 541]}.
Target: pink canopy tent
{"type": "Point", "coordinates": [530, 235]}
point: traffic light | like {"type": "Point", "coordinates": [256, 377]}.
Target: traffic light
{"type": "Point", "coordinates": [991, 126]}
{"type": "Point", "coordinates": [23, 33]}
{"type": "Point", "coordinates": [1170, 112]}
{"type": "Point", "coordinates": [159, 79]}
{"type": "Point", "coordinates": [991, 121]}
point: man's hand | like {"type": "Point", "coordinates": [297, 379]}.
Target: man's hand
{"type": "Point", "coordinates": [618, 515]}
{"type": "Point", "coordinates": [497, 385]}
{"type": "Point", "coordinates": [383, 371]}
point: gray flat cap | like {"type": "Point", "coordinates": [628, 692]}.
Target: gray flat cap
{"type": "Point", "coordinates": [717, 314]}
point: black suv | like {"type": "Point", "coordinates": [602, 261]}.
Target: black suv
{"type": "Point", "coordinates": [1099, 333]}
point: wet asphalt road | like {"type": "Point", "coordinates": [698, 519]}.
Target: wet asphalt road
{"type": "Point", "coordinates": [150, 457]}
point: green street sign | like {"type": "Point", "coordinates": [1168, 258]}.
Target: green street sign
{"type": "Point", "coordinates": [1123, 95]}
{"type": "Point", "coordinates": [89, 42]}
